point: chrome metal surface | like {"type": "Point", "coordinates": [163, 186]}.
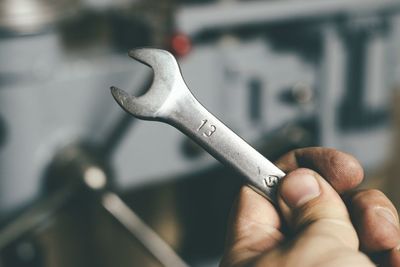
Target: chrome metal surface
{"type": "Point", "coordinates": [169, 100]}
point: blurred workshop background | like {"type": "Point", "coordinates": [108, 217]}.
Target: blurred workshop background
{"type": "Point", "coordinates": [84, 184]}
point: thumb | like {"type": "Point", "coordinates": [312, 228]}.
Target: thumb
{"type": "Point", "coordinates": [314, 211]}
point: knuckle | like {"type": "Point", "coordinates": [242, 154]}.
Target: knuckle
{"type": "Point", "coordinates": [363, 198]}
{"type": "Point", "coordinates": [371, 193]}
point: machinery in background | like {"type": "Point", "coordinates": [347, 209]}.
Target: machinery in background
{"type": "Point", "coordinates": [282, 74]}
{"type": "Point", "coordinates": [328, 62]}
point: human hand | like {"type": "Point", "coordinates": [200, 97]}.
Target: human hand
{"type": "Point", "coordinates": [313, 226]}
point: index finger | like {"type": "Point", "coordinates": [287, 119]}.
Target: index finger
{"type": "Point", "coordinates": [340, 169]}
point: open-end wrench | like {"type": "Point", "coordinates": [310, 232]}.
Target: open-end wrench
{"type": "Point", "coordinates": [169, 100]}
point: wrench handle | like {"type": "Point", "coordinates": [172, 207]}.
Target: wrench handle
{"type": "Point", "coordinates": [191, 118]}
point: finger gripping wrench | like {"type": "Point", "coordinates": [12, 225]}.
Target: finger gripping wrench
{"type": "Point", "coordinates": [169, 100]}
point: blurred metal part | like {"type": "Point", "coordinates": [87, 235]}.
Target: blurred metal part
{"type": "Point", "coordinates": [32, 16]}
{"type": "Point", "coordinates": [192, 20]}
{"type": "Point", "coordinates": [152, 242]}
{"type": "Point", "coordinates": [331, 76]}
{"type": "Point", "coordinates": [95, 178]}
{"type": "Point", "coordinates": [35, 217]}
{"type": "Point", "coordinates": [77, 167]}
{"type": "Point", "coordinates": [104, 4]}
{"type": "Point", "coordinates": [83, 164]}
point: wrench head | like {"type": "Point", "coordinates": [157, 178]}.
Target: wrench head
{"type": "Point", "coordinates": [167, 77]}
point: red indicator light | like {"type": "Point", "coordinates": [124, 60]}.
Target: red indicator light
{"type": "Point", "coordinates": [180, 45]}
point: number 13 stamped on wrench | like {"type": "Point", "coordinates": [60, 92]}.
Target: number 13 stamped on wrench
{"type": "Point", "coordinates": [169, 100]}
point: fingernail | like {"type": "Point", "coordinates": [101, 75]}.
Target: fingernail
{"type": "Point", "coordinates": [298, 189]}
{"type": "Point", "coordinates": [387, 215]}
{"type": "Point", "coordinates": [397, 248]}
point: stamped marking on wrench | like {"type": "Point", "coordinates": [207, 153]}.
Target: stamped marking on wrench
{"type": "Point", "coordinates": [271, 181]}
{"type": "Point", "coordinates": [212, 129]}
{"type": "Point", "coordinates": [169, 100]}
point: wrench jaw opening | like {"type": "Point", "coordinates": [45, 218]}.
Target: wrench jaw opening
{"type": "Point", "coordinates": [161, 61]}
{"type": "Point", "coordinates": [133, 105]}
{"type": "Point", "coordinates": [167, 73]}
{"type": "Point", "coordinates": [167, 78]}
